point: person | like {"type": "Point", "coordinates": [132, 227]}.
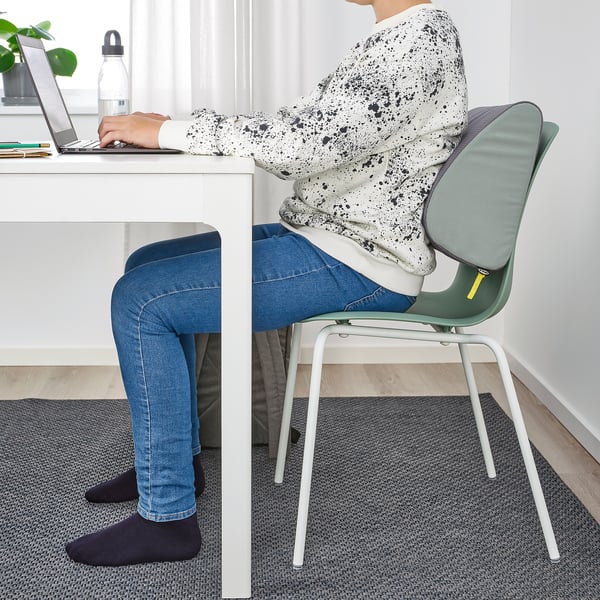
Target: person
{"type": "Point", "coordinates": [363, 150]}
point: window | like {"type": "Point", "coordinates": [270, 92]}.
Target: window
{"type": "Point", "coordinates": [76, 25]}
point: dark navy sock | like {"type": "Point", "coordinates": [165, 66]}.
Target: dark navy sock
{"type": "Point", "coordinates": [124, 486]}
{"type": "Point", "coordinates": [137, 540]}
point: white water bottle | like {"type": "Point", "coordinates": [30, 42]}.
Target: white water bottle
{"type": "Point", "coordinates": [113, 81]}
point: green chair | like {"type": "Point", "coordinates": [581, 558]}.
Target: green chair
{"type": "Point", "coordinates": [472, 214]}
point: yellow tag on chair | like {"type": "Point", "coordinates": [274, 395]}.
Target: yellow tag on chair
{"type": "Point", "coordinates": [481, 275]}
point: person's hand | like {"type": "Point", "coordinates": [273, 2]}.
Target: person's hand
{"type": "Point", "coordinates": [140, 129]}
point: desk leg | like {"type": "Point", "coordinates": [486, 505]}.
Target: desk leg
{"type": "Point", "coordinates": [236, 395]}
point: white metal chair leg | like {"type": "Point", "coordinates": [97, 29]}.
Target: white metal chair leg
{"type": "Point", "coordinates": [476, 404]}
{"type": "Point", "coordinates": [456, 338]}
{"type": "Point", "coordinates": [309, 445]}
{"type": "Point", "coordinates": [532, 474]}
{"type": "Point", "coordinates": [288, 402]}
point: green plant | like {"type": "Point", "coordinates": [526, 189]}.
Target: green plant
{"type": "Point", "coordinates": [62, 61]}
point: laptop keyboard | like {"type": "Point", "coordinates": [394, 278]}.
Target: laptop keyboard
{"type": "Point", "coordinates": [92, 144]}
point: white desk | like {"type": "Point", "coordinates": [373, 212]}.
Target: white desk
{"type": "Point", "coordinates": [171, 188]}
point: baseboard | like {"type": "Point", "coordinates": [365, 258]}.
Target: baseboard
{"type": "Point", "coordinates": [36, 357]}
{"type": "Point", "coordinates": [559, 407]}
{"type": "Point", "coordinates": [351, 354]}
{"type": "Point", "coordinates": [422, 354]}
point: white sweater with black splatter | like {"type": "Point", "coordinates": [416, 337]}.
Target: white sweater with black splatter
{"type": "Point", "coordinates": [363, 148]}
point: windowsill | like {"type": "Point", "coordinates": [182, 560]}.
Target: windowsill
{"type": "Point", "coordinates": [79, 102]}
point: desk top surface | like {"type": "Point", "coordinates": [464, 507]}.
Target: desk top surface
{"type": "Point", "coordinates": [128, 163]}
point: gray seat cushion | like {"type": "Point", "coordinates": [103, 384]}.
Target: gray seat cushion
{"type": "Point", "coordinates": [475, 206]}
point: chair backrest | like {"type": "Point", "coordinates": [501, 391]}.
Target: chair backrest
{"type": "Point", "coordinates": [474, 208]}
{"type": "Point", "coordinates": [452, 305]}
{"type": "Point", "coordinates": [468, 199]}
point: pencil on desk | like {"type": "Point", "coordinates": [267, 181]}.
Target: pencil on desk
{"type": "Point", "coordinates": [11, 145]}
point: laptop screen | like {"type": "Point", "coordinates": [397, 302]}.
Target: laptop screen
{"type": "Point", "coordinates": [51, 100]}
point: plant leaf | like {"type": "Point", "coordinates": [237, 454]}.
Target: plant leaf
{"type": "Point", "coordinates": [12, 44]}
{"type": "Point", "coordinates": [42, 32]}
{"type": "Point", "coordinates": [6, 29]}
{"type": "Point", "coordinates": [7, 59]}
{"type": "Point", "coordinates": [62, 61]}
{"type": "Point", "coordinates": [29, 32]}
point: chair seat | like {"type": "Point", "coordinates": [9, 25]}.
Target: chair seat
{"type": "Point", "coordinates": [444, 309]}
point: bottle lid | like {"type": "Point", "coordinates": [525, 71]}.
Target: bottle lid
{"type": "Point", "coordinates": [115, 49]}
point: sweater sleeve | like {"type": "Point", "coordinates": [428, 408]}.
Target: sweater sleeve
{"type": "Point", "coordinates": [352, 115]}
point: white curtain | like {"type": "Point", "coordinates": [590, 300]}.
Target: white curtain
{"type": "Point", "coordinates": [160, 57]}
{"type": "Point", "coordinates": [187, 54]}
{"type": "Point", "coordinates": [277, 80]}
{"type": "Point", "coordinates": [233, 56]}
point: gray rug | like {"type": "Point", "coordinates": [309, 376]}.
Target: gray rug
{"type": "Point", "coordinates": [401, 508]}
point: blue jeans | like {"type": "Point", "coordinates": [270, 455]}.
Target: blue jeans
{"type": "Point", "coordinates": [171, 290]}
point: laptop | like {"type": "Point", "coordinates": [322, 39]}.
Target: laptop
{"type": "Point", "coordinates": [55, 111]}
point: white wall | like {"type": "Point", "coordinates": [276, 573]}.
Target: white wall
{"type": "Point", "coordinates": [535, 49]}
{"type": "Point", "coordinates": [56, 278]}
{"type": "Point", "coordinates": [288, 62]}
{"type": "Point", "coordinates": [552, 322]}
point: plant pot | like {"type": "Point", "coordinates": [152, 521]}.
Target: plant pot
{"type": "Point", "coordinates": [18, 86]}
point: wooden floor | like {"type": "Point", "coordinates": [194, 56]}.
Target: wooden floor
{"type": "Point", "coordinates": [574, 465]}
